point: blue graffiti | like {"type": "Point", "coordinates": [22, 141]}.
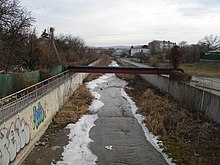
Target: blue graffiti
{"type": "Point", "coordinates": [39, 115]}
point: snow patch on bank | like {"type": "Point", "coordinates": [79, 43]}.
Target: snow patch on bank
{"type": "Point", "coordinates": [77, 151]}
{"type": "Point", "coordinates": [102, 79]}
{"type": "Point", "coordinates": [149, 136]}
{"type": "Point", "coordinates": [95, 106]}
{"type": "Point", "coordinates": [114, 63]}
{"type": "Point", "coordinates": [96, 103]}
{"type": "Point", "coordinates": [96, 94]}
{"type": "Point", "coordinates": [93, 84]}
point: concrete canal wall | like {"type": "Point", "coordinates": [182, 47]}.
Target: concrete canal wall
{"type": "Point", "coordinates": [195, 98]}
{"type": "Point", "coordinates": [22, 130]}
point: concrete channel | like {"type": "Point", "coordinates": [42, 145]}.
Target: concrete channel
{"type": "Point", "coordinates": [117, 128]}
{"type": "Point", "coordinates": [118, 137]}
{"type": "Point", "coordinates": [196, 98]}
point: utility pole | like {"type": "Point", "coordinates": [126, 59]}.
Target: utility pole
{"type": "Point", "coordinates": [52, 43]}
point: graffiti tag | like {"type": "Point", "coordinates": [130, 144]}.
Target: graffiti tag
{"type": "Point", "coordinates": [12, 140]}
{"type": "Point", "coordinates": [39, 115]}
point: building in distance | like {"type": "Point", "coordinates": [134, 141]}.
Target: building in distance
{"type": "Point", "coordinates": [139, 49]}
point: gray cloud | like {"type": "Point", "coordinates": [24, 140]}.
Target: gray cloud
{"type": "Point", "coordinates": [105, 22]}
{"type": "Point", "coordinates": [198, 8]}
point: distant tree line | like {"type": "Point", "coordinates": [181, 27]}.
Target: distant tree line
{"type": "Point", "coordinates": [192, 53]}
{"type": "Point", "coordinates": [189, 52]}
{"type": "Point", "coordinates": [210, 42]}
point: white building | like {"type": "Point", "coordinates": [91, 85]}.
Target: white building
{"type": "Point", "coordinates": [213, 52]}
{"type": "Point", "coordinates": [138, 49]}
{"type": "Point", "coordinates": [118, 52]}
{"type": "Point", "coordinates": [160, 47]}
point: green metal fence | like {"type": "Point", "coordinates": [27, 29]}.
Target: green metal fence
{"type": "Point", "coordinates": [55, 70]}
{"type": "Point", "coordinates": [210, 57]}
{"type": "Point", "coordinates": [13, 82]}
{"type": "Point", "coordinates": [10, 83]}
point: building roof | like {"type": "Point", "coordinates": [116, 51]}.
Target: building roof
{"type": "Point", "coordinates": [140, 47]}
{"type": "Point", "coordinates": [214, 51]}
{"type": "Point", "coordinates": [160, 41]}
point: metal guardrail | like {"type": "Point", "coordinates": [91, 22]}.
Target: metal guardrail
{"type": "Point", "coordinates": [207, 84]}
{"type": "Point", "coordinates": [15, 102]}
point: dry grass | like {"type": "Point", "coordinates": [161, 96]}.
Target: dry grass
{"type": "Point", "coordinates": [74, 108]}
{"type": "Point", "coordinates": [179, 76]}
{"type": "Point", "coordinates": [190, 138]}
{"type": "Point", "coordinates": [92, 76]}
{"type": "Point", "coordinates": [105, 60]}
{"type": "Point", "coordinates": [126, 77]}
{"type": "Point", "coordinates": [206, 69]}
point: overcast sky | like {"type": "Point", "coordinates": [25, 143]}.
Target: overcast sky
{"type": "Point", "coordinates": [128, 22]}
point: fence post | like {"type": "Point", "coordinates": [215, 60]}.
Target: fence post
{"type": "Point", "coordinates": [202, 100]}
{"type": "Point", "coordinates": [1, 110]}
{"type": "Point", "coordinates": [35, 88]}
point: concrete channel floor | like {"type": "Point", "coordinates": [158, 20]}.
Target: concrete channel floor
{"type": "Point", "coordinates": [118, 137]}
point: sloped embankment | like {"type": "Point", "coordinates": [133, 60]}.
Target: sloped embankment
{"type": "Point", "coordinates": [74, 108]}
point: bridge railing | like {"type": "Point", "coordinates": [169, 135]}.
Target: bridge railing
{"type": "Point", "coordinates": [15, 102]}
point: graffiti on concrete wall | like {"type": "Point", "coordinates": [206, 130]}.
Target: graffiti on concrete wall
{"type": "Point", "coordinates": [12, 140]}
{"type": "Point", "coordinates": [39, 114]}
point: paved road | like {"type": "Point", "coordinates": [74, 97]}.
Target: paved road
{"type": "Point", "coordinates": [118, 137]}
{"type": "Point", "coordinates": [208, 84]}
{"type": "Point", "coordinates": [128, 60]}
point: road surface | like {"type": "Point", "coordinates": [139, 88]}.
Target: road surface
{"type": "Point", "coordinates": [211, 85]}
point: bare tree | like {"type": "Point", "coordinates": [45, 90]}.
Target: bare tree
{"type": "Point", "coordinates": [183, 43]}
{"type": "Point", "coordinates": [142, 56]}
{"type": "Point", "coordinates": [71, 48]}
{"type": "Point", "coordinates": [29, 53]}
{"type": "Point", "coordinates": [212, 42]}
{"type": "Point", "coordinates": [175, 56]}
{"type": "Point", "coordinates": [190, 53]}
{"type": "Point", "coordinates": [15, 22]}
{"type": "Point", "coordinates": [53, 45]}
